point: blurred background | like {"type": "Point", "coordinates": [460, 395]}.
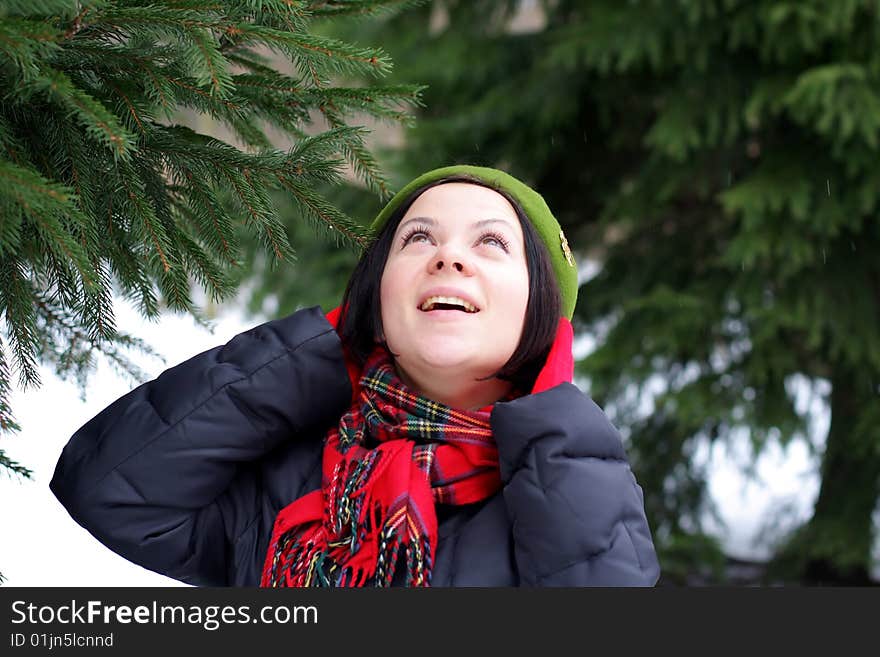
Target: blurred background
{"type": "Point", "coordinates": [715, 165]}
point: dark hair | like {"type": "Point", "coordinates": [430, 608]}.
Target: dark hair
{"type": "Point", "coordinates": [361, 315]}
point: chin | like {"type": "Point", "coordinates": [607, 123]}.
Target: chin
{"type": "Point", "coordinates": [444, 353]}
{"type": "Point", "coordinates": [474, 364]}
{"type": "Point", "coordinates": [437, 358]}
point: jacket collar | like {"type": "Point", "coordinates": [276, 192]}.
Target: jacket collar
{"type": "Point", "coordinates": [558, 368]}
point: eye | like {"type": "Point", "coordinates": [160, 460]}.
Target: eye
{"type": "Point", "coordinates": [495, 238]}
{"type": "Point", "coordinates": [415, 234]}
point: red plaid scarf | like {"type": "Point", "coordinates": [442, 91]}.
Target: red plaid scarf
{"type": "Point", "coordinates": [392, 457]}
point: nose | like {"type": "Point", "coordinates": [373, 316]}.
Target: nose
{"type": "Point", "coordinates": [447, 258]}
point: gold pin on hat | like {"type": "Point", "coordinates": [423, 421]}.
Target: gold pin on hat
{"type": "Point", "coordinates": [566, 249]}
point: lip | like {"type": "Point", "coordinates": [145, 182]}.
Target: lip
{"type": "Point", "coordinates": [444, 316]}
{"type": "Point", "coordinates": [446, 291]}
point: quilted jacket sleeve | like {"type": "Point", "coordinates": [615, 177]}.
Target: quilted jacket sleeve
{"type": "Point", "coordinates": [576, 510]}
{"type": "Point", "coordinates": [166, 476]}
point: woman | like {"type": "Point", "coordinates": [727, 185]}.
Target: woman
{"type": "Point", "coordinates": [426, 432]}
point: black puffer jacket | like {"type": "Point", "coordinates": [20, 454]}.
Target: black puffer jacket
{"type": "Point", "coordinates": [185, 474]}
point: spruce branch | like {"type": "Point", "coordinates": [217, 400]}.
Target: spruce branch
{"type": "Point", "coordinates": [322, 55]}
{"type": "Point", "coordinates": [100, 124]}
{"type": "Point", "coordinates": [45, 204]}
{"type": "Point", "coordinates": [102, 191]}
{"type": "Point", "coordinates": [24, 43]}
{"type": "Point", "coordinates": [333, 8]}
{"type": "Point", "coordinates": [208, 63]}
{"type": "Point", "coordinates": [356, 153]}
{"type": "Point", "coordinates": [7, 421]}
{"type": "Point", "coordinates": [13, 468]}
{"type": "Point", "coordinates": [76, 24]}
{"type": "Point", "coordinates": [70, 345]}
{"type": "Point", "coordinates": [388, 102]}
{"type": "Point", "coordinates": [16, 300]}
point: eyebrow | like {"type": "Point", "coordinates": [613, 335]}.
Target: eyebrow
{"type": "Point", "coordinates": [477, 224]}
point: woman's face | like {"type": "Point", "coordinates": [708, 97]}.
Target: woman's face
{"type": "Point", "coordinates": [457, 244]}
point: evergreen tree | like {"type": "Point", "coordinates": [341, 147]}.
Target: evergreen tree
{"type": "Point", "coordinates": [719, 159]}
{"type": "Point", "coordinates": [102, 190]}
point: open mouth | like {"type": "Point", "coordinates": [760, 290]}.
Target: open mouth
{"type": "Point", "coordinates": [448, 303]}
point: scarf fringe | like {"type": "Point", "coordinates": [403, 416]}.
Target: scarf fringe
{"type": "Point", "coordinates": [308, 564]}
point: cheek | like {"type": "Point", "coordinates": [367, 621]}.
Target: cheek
{"type": "Point", "coordinates": [515, 293]}
{"type": "Point", "coordinates": [391, 288]}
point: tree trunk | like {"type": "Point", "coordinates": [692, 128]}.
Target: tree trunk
{"type": "Point", "coordinates": [834, 547]}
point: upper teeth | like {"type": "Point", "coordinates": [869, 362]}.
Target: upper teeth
{"type": "Point", "coordinates": [457, 301]}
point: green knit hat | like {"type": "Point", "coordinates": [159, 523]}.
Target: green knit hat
{"type": "Point", "coordinates": [531, 202]}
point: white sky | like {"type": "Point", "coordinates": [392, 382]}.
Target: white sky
{"type": "Point", "coordinates": [41, 545]}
